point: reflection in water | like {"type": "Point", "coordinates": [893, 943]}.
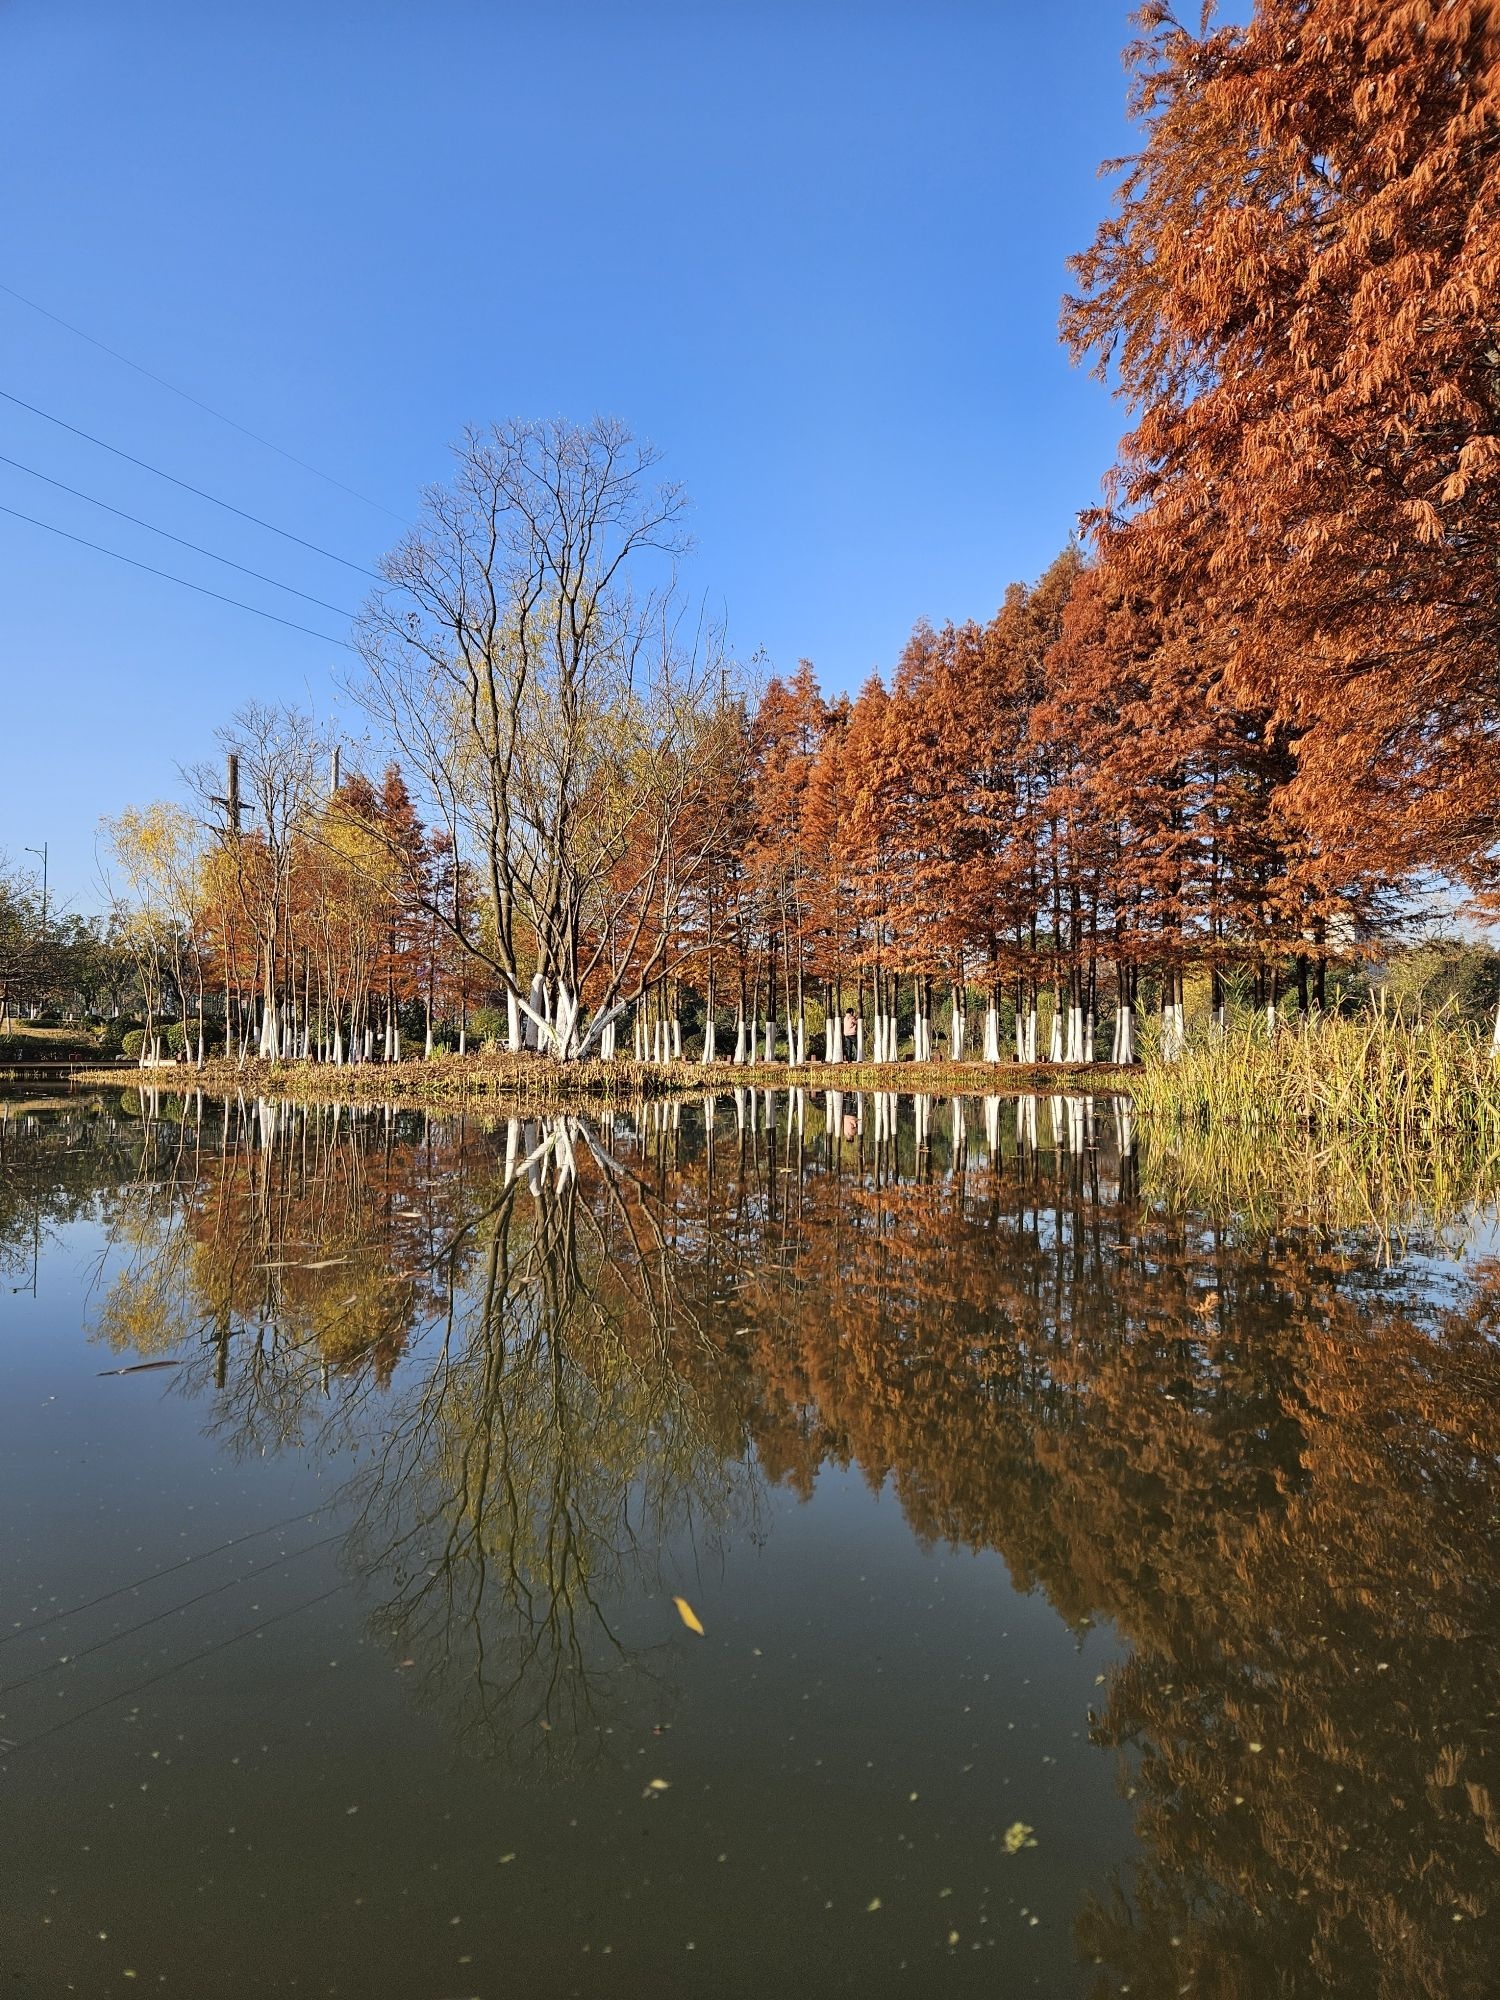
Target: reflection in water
{"type": "Point", "coordinates": [1269, 1458]}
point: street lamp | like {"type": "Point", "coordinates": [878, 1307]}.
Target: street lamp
{"type": "Point", "coordinates": [41, 854]}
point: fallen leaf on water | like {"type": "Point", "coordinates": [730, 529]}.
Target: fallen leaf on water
{"type": "Point", "coordinates": [1018, 1836]}
{"type": "Point", "coordinates": [688, 1615]}
{"type": "Point", "coordinates": [659, 1785]}
{"type": "Point", "coordinates": [873, 1904]}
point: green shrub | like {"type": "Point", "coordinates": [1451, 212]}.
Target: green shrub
{"type": "Point", "coordinates": [488, 1024]}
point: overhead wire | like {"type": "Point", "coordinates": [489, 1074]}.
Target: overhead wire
{"type": "Point", "coordinates": [187, 487]}
{"type": "Point", "coordinates": [152, 1576]}
{"type": "Point", "coordinates": [197, 402]}
{"type": "Point", "coordinates": [140, 1687]}
{"type": "Point", "coordinates": [181, 540]}
{"type": "Point", "coordinates": [171, 1611]}
{"type": "Point", "coordinates": [151, 570]}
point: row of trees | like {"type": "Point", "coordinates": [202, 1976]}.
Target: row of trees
{"type": "Point", "coordinates": [58, 965]}
{"type": "Point", "coordinates": [1035, 818]}
{"type": "Point", "coordinates": [1230, 746]}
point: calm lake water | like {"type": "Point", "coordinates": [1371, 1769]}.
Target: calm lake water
{"type": "Point", "coordinates": [1096, 1597]}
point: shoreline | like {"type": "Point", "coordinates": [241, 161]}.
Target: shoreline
{"type": "Point", "coordinates": [537, 1080]}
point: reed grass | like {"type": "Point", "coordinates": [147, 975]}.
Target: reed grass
{"type": "Point", "coordinates": [1258, 1181]}
{"type": "Point", "coordinates": [1402, 1083]}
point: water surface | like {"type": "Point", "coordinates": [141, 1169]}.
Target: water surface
{"type": "Point", "coordinates": [1096, 1596]}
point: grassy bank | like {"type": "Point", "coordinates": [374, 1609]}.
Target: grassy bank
{"type": "Point", "coordinates": [1403, 1085]}
{"type": "Point", "coordinates": [534, 1080]}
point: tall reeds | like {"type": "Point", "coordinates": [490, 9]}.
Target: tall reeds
{"type": "Point", "coordinates": [1404, 1094]}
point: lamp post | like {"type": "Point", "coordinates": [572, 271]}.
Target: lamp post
{"type": "Point", "coordinates": [41, 854]}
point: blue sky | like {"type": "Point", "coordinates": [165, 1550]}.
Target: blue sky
{"type": "Point", "coordinates": [813, 252]}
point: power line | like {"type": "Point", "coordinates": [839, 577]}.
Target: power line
{"type": "Point", "coordinates": [197, 403]}
{"type": "Point", "coordinates": [171, 1569]}
{"type": "Point", "coordinates": [171, 477]}
{"type": "Point", "coordinates": [202, 588]}
{"type": "Point", "coordinates": [181, 541]}
{"type": "Point", "coordinates": [172, 1610]}
{"type": "Point", "coordinates": [219, 1646]}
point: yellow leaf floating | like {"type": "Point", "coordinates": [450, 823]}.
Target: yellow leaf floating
{"type": "Point", "coordinates": [1018, 1836]}
{"type": "Point", "coordinates": [688, 1615]}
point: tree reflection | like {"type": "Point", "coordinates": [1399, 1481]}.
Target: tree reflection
{"type": "Point", "coordinates": [1269, 1456]}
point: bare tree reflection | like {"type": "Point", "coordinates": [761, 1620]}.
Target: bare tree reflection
{"type": "Point", "coordinates": [544, 1461]}
{"type": "Point", "coordinates": [1263, 1449]}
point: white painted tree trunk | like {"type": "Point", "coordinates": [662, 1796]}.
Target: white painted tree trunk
{"type": "Point", "coordinates": [859, 1040]}
{"type": "Point", "coordinates": [1088, 1036]}
{"type": "Point", "coordinates": [991, 1035]}
{"type": "Point", "coordinates": [1171, 1031]}
{"type": "Point", "coordinates": [676, 1039]}
{"type": "Point", "coordinates": [836, 1040]}
{"type": "Point", "coordinates": [338, 1043]}
{"type": "Point", "coordinates": [739, 1040]}
{"type": "Point", "coordinates": [565, 1025]}
{"type": "Point", "coordinates": [708, 1039]}
{"type": "Point", "coordinates": [396, 1042]}
{"type": "Point", "coordinates": [770, 1038]}
{"type": "Point", "coordinates": [957, 1028]}
{"type": "Point", "coordinates": [1075, 1034]}
{"type": "Point", "coordinates": [512, 1023]}
{"type": "Point", "coordinates": [992, 1127]}
{"type": "Point", "coordinates": [1054, 1039]}
{"type": "Point", "coordinates": [463, 1036]}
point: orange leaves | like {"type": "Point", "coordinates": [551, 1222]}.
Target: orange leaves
{"type": "Point", "coordinates": [1313, 399]}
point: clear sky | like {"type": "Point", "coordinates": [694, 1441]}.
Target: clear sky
{"type": "Point", "coordinates": [814, 252]}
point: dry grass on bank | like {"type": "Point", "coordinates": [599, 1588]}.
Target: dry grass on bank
{"type": "Point", "coordinates": [536, 1080]}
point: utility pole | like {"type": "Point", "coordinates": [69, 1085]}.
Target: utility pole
{"type": "Point", "coordinates": [41, 854]}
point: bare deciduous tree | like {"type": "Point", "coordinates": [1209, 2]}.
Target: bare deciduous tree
{"type": "Point", "coordinates": [530, 658]}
